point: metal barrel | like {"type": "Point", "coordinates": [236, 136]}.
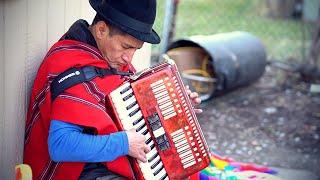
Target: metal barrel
{"type": "Point", "coordinates": [215, 64]}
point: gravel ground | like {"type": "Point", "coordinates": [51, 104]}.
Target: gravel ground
{"type": "Point", "coordinates": [273, 122]}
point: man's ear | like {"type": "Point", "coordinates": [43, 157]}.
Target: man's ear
{"type": "Point", "coordinates": [101, 30]}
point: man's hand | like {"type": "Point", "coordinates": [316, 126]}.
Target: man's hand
{"type": "Point", "coordinates": [137, 146]}
{"type": "Point", "coordinates": [194, 97]}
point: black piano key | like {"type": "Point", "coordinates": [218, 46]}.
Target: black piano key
{"type": "Point", "coordinates": [148, 140]}
{"type": "Point", "coordinates": [134, 112]}
{"type": "Point", "coordinates": [128, 96]}
{"type": "Point", "coordinates": [153, 157]}
{"type": "Point", "coordinates": [155, 164]}
{"type": "Point", "coordinates": [145, 132]}
{"type": "Point", "coordinates": [152, 146]}
{"type": "Point", "coordinates": [164, 176]}
{"type": "Point", "coordinates": [137, 121]}
{"type": "Point", "coordinates": [141, 127]}
{"type": "Point", "coordinates": [125, 89]}
{"type": "Point", "coordinates": [157, 172]}
{"type": "Point", "coordinates": [131, 105]}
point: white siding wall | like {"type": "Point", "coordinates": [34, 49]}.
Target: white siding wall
{"type": "Point", "coordinates": [27, 29]}
{"type": "Point", "coordinates": [1, 84]}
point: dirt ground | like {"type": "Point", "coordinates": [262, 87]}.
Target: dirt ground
{"type": "Point", "coordinates": [274, 122]}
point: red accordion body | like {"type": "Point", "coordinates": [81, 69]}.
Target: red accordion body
{"type": "Point", "coordinates": [156, 105]}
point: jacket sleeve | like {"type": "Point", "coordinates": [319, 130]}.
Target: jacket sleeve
{"type": "Point", "coordinates": [67, 143]}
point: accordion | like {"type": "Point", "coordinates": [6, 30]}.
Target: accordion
{"type": "Point", "coordinates": [155, 104]}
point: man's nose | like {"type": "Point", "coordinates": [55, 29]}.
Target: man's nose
{"type": "Point", "coordinates": [128, 55]}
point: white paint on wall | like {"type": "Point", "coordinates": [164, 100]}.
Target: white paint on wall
{"type": "Point", "coordinates": [28, 28]}
{"type": "Point", "coordinates": [1, 86]}
{"type": "Point", "coordinates": [14, 83]}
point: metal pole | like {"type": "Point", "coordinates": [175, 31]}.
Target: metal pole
{"type": "Point", "coordinates": [166, 27]}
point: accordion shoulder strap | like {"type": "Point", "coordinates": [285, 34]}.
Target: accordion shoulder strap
{"type": "Point", "coordinates": [77, 75]}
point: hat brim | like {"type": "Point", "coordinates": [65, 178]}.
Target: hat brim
{"type": "Point", "coordinates": [151, 37]}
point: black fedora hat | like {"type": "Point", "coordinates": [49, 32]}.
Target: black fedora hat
{"type": "Point", "coordinates": [135, 17]}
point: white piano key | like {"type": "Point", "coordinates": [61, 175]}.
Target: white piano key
{"type": "Point", "coordinates": [146, 170]}
{"type": "Point", "coordinates": [159, 88]}
{"type": "Point", "coordinates": [168, 110]}
{"type": "Point", "coordinates": [127, 126]}
{"type": "Point", "coordinates": [121, 105]}
{"type": "Point", "coordinates": [119, 89]}
{"type": "Point", "coordinates": [164, 100]}
{"type": "Point", "coordinates": [189, 164]}
{"type": "Point", "coordinates": [127, 119]}
{"type": "Point", "coordinates": [187, 160]}
{"type": "Point", "coordinates": [166, 105]}
{"type": "Point", "coordinates": [182, 149]}
{"type": "Point", "coordinates": [154, 161]}
{"type": "Point", "coordinates": [176, 132]}
{"type": "Point", "coordinates": [147, 136]}
{"type": "Point", "coordinates": [183, 155]}
{"type": "Point", "coordinates": [127, 93]}
{"type": "Point", "coordinates": [181, 143]}
{"type": "Point", "coordinates": [130, 101]}
{"type": "Point", "coordinates": [143, 129]}
{"type": "Point", "coordinates": [158, 167]}
{"type": "Point", "coordinates": [161, 173]}
{"type": "Point", "coordinates": [158, 132]}
{"type": "Point", "coordinates": [170, 116]}
{"type": "Point", "coordinates": [142, 122]}
{"type": "Point", "coordinates": [159, 95]}
{"type": "Point", "coordinates": [178, 138]}
{"type": "Point", "coordinates": [156, 83]}
{"type": "Point", "coordinates": [151, 153]}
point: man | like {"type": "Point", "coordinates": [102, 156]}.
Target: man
{"type": "Point", "coordinates": [72, 136]}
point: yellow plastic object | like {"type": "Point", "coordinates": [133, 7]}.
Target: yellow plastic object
{"type": "Point", "coordinates": [220, 164]}
{"type": "Point", "coordinates": [23, 172]}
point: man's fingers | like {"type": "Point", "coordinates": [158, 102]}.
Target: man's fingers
{"type": "Point", "coordinates": [194, 95]}
{"type": "Point", "coordinates": [143, 156]}
{"type": "Point", "coordinates": [198, 111]}
{"type": "Point", "coordinates": [147, 149]}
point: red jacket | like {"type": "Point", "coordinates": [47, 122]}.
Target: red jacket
{"type": "Point", "coordinates": [82, 104]}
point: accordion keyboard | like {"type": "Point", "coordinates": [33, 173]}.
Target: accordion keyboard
{"type": "Point", "coordinates": [158, 107]}
{"type": "Point", "coordinates": [131, 118]}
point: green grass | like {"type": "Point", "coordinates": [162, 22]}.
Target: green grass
{"type": "Point", "coordinates": [283, 38]}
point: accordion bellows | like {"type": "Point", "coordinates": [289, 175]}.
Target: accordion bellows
{"type": "Point", "coordinates": [155, 104]}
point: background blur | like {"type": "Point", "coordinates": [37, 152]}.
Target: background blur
{"type": "Point", "coordinates": [276, 120]}
{"type": "Point", "coordinates": [284, 26]}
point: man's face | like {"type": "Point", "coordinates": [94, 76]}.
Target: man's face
{"type": "Point", "coordinates": [117, 49]}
